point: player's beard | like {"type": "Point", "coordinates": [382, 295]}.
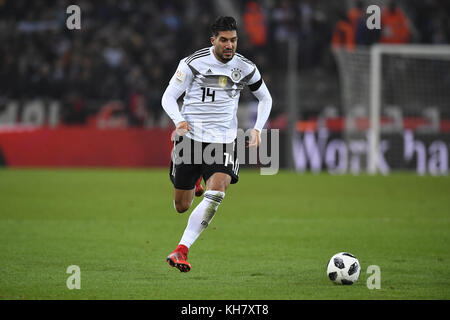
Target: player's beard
{"type": "Point", "coordinates": [227, 58]}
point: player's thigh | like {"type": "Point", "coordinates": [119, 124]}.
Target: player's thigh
{"type": "Point", "coordinates": [220, 174]}
{"type": "Point", "coordinates": [184, 176]}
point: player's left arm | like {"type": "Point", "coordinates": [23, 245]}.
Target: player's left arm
{"type": "Point", "coordinates": [260, 91]}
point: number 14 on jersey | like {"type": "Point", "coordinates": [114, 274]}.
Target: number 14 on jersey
{"type": "Point", "coordinates": [207, 92]}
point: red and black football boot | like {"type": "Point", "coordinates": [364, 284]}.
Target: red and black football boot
{"type": "Point", "coordinates": [177, 259]}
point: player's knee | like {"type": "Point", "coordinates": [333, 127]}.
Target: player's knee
{"type": "Point", "coordinates": [182, 206]}
{"type": "Point", "coordinates": [219, 182]}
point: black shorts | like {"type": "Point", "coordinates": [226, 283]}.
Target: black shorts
{"type": "Point", "coordinates": [192, 159]}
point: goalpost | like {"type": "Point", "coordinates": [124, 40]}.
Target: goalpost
{"type": "Point", "coordinates": [420, 54]}
{"type": "Point", "coordinates": [393, 90]}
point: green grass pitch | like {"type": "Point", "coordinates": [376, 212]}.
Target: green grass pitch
{"type": "Point", "coordinates": [270, 239]}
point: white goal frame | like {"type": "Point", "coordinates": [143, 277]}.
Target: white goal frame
{"type": "Point", "coordinates": [376, 52]}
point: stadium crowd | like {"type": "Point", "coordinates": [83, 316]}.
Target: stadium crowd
{"type": "Point", "coordinates": [127, 50]}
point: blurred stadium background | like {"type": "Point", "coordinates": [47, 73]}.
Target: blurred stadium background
{"type": "Point", "coordinates": [91, 97]}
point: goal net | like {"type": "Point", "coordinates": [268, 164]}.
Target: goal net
{"type": "Point", "coordinates": [396, 102]}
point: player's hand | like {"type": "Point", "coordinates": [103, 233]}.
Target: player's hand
{"type": "Point", "coordinates": [255, 138]}
{"type": "Point", "coordinates": [181, 129]}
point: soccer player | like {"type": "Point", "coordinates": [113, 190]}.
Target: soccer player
{"type": "Point", "coordinates": [212, 79]}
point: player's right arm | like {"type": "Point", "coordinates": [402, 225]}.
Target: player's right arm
{"type": "Point", "coordinates": [177, 86]}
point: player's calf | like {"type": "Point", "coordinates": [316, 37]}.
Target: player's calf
{"type": "Point", "coordinates": [183, 200]}
{"type": "Point", "coordinates": [201, 216]}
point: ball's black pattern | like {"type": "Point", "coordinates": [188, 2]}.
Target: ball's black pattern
{"type": "Point", "coordinates": [353, 268]}
{"type": "Point", "coordinates": [332, 276]}
{"type": "Point", "coordinates": [338, 262]}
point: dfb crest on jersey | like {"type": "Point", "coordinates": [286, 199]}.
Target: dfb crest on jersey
{"type": "Point", "coordinates": [223, 81]}
{"type": "Point", "coordinates": [235, 74]}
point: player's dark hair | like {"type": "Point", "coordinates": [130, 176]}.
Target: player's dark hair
{"type": "Point", "coordinates": [223, 24]}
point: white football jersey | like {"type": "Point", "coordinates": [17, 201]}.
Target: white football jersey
{"type": "Point", "coordinates": [212, 90]}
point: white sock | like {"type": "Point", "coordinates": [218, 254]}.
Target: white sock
{"type": "Point", "coordinates": [201, 216]}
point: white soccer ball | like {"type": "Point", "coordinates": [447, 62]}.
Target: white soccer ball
{"type": "Point", "coordinates": [343, 268]}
